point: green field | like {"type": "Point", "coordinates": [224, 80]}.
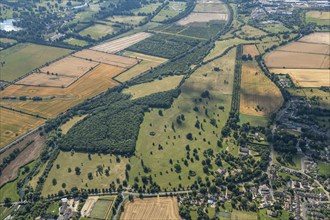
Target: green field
{"type": "Point", "coordinates": [318, 17]}
{"type": "Point", "coordinates": [248, 31]}
{"type": "Point", "coordinates": [324, 169]}
{"type": "Point", "coordinates": [66, 160]}
{"type": "Point", "coordinates": [25, 57]}
{"type": "Point", "coordinates": [170, 11]}
{"type": "Point", "coordinates": [158, 142]}
{"type": "Point", "coordinates": [4, 212]}
{"type": "Point", "coordinates": [322, 98]}
{"type": "Point", "coordinates": [69, 124]}
{"type": "Point", "coordinates": [98, 31]}
{"type": "Point", "coordinates": [275, 28]}
{"type": "Point", "coordinates": [102, 208]}
{"type": "Point", "coordinates": [9, 190]}
{"type": "Point", "coordinates": [294, 164]}
{"type": "Point", "coordinates": [76, 42]}
{"type": "Point", "coordinates": [146, 9]}
{"type": "Point", "coordinates": [282, 215]}
{"type": "Point", "coordinates": [53, 208]}
{"type": "Point", "coordinates": [131, 20]}
{"type": "Point", "coordinates": [254, 120]}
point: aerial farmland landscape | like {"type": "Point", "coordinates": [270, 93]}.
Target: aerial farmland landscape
{"type": "Point", "coordinates": [165, 109]}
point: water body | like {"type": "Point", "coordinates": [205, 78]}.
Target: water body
{"type": "Point", "coordinates": [7, 25]}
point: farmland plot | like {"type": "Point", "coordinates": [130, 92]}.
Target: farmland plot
{"type": "Point", "coordinates": [318, 38]}
{"type": "Point", "coordinates": [250, 50]}
{"type": "Point", "coordinates": [303, 47]}
{"type": "Point", "coordinates": [43, 79]}
{"type": "Point", "coordinates": [210, 7]}
{"type": "Point", "coordinates": [202, 18]}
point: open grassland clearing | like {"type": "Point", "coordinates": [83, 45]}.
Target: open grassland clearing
{"type": "Point", "coordinates": [37, 174]}
{"type": "Point", "coordinates": [323, 168]}
{"type": "Point", "coordinates": [303, 47]}
{"type": "Point", "coordinates": [147, 63]}
{"type": "Point", "coordinates": [69, 124]}
{"type": "Point", "coordinates": [323, 98]}
{"type": "Point", "coordinates": [121, 43]}
{"type": "Point", "coordinates": [76, 42]}
{"type": "Point", "coordinates": [69, 66]}
{"type": "Point", "coordinates": [44, 79]}
{"type": "Point", "coordinates": [106, 58]}
{"type": "Point", "coordinates": [283, 215]}
{"type": "Point", "coordinates": [7, 40]}
{"type": "Point", "coordinates": [164, 45]}
{"type": "Point", "coordinates": [14, 125]}
{"type": "Point", "coordinates": [202, 18]}
{"type": "Point", "coordinates": [29, 57]}
{"type": "Point", "coordinates": [318, 17]}
{"type": "Point", "coordinates": [97, 165]}
{"type": "Point", "coordinates": [152, 208]}
{"type": "Point", "coordinates": [253, 120]}
{"type": "Point", "coordinates": [221, 46]}
{"type": "Point", "coordinates": [98, 31]}
{"type": "Point", "coordinates": [259, 95]}
{"type": "Point", "coordinates": [171, 10]}
{"type": "Point", "coordinates": [159, 85]}
{"type": "Point", "coordinates": [306, 77]}
{"type": "Point", "coordinates": [4, 212]}
{"type": "Point", "coordinates": [146, 9]}
{"type": "Point", "coordinates": [9, 190]}
{"type": "Point", "coordinates": [275, 28]}
{"type": "Point", "coordinates": [89, 85]}
{"type": "Point", "coordinates": [162, 135]}
{"type": "Point", "coordinates": [250, 50]}
{"type": "Point", "coordinates": [295, 60]}
{"type": "Point", "coordinates": [102, 207]}
{"type": "Point", "coordinates": [31, 152]}
{"type": "Point", "coordinates": [317, 38]}
{"type": "Point", "coordinates": [210, 7]}
{"type": "Point", "coordinates": [131, 20]}
{"type": "Point", "coordinates": [248, 31]}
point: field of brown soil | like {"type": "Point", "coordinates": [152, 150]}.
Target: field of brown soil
{"type": "Point", "coordinates": [202, 18]}
{"type": "Point", "coordinates": [307, 77]}
{"type": "Point", "coordinates": [317, 38]}
{"type": "Point", "coordinates": [43, 79]}
{"type": "Point", "coordinates": [303, 47]}
{"type": "Point", "coordinates": [122, 43]}
{"type": "Point", "coordinates": [89, 85]}
{"type": "Point", "coordinates": [259, 95]}
{"type": "Point", "coordinates": [30, 153]}
{"type": "Point", "coordinates": [292, 60]}
{"type": "Point", "coordinates": [69, 66]}
{"type": "Point", "coordinates": [250, 49]}
{"type": "Point", "coordinates": [106, 58]}
{"type": "Point", "coordinates": [151, 208]}
{"type": "Point", "coordinates": [14, 125]}
{"type": "Point", "coordinates": [210, 7]}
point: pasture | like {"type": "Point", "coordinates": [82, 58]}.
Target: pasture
{"type": "Point", "coordinates": [193, 18]}
{"type": "Point", "coordinates": [106, 58]}
{"type": "Point", "coordinates": [14, 125]}
{"type": "Point", "coordinates": [131, 20]}
{"type": "Point", "coordinates": [275, 28]}
{"type": "Point", "coordinates": [98, 31]}
{"type": "Point", "coordinates": [121, 43]}
{"type": "Point", "coordinates": [100, 179]}
{"type": "Point", "coordinates": [253, 120]}
{"type": "Point", "coordinates": [259, 95]}
{"type": "Point", "coordinates": [69, 124]}
{"type": "Point", "coordinates": [76, 42]}
{"type": "Point", "coordinates": [7, 40]}
{"type": "Point", "coordinates": [169, 11]}
{"type": "Point", "coordinates": [29, 57]}
{"type": "Point", "coordinates": [95, 82]}
{"type": "Point", "coordinates": [318, 17]}
{"type": "Point", "coordinates": [147, 8]}
{"type": "Point", "coordinates": [162, 137]}
{"type": "Point", "coordinates": [250, 49]}
{"type": "Point", "coordinates": [147, 63]}
{"type": "Point", "coordinates": [317, 38]}
{"type": "Point", "coordinates": [306, 77]}
{"type": "Point", "coordinates": [210, 7]}
{"type": "Point", "coordinates": [151, 208]}
{"type": "Point", "coordinates": [159, 85]}
{"type": "Point", "coordinates": [248, 31]}
{"type": "Point", "coordinates": [29, 153]}
{"type": "Point", "coordinates": [296, 60]}
{"type": "Point", "coordinates": [323, 169]}
{"type": "Point", "coordinates": [102, 207]}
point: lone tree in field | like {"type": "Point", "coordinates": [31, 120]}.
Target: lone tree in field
{"type": "Point", "coordinates": [54, 181]}
{"type": "Point", "coordinates": [90, 176]}
{"type": "Point", "coordinates": [77, 169]}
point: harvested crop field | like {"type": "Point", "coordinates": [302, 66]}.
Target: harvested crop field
{"type": "Point", "coordinates": [151, 208]}
{"type": "Point", "coordinates": [98, 31]}
{"type": "Point", "coordinates": [202, 18]}
{"type": "Point", "coordinates": [292, 60]}
{"type": "Point", "coordinates": [14, 125]}
{"type": "Point", "coordinates": [250, 50]}
{"type": "Point", "coordinates": [121, 43]}
{"type": "Point", "coordinates": [31, 152]}
{"type": "Point", "coordinates": [303, 47]}
{"type": "Point", "coordinates": [147, 63]}
{"type": "Point", "coordinates": [307, 77]}
{"type": "Point", "coordinates": [210, 7]}
{"type": "Point", "coordinates": [95, 82]}
{"type": "Point", "coordinates": [69, 66]}
{"type": "Point", "coordinates": [106, 58]}
{"type": "Point", "coordinates": [29, 56]}
{"type": "Point", "coordinates": [259, 95]}
{"type": "Point", "coordinates": [318, 17]}
{"type": "Point", "coordinates": [317, 38]}
{"type": "Point", "coordinates": [50, 80]}
{"type": "Point", "coordinates": [145, 89]}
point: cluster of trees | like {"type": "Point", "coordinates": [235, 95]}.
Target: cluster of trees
{"type": "Point", "coordinates": [9, 158]}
